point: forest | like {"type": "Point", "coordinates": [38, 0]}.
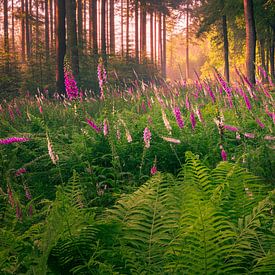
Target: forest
{"type": "Point", "coordinates": [137, 137]}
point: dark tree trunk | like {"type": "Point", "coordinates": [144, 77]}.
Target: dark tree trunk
{"type": "Point", "coordinates": [103, 31]}
{"type": "Point", "coordinates": [80, 25]}
{"type": "Point", "coordinates": [28, 42]}
{"type": "Point", "coordinates": [155, 36]}
{"type": "Point", "coordinates": [23, 37]}
{"type": "Point", "coordinates": [51, 23]}
{"type": "Point", "coordinates": [112, 27]}
{"type": "Point", "coordinates": [85, 26]}
{"type": "Point", "coordinates": [160, 39]}
{"type": "Point", "coordinates": [250, 40]}
{"type": "Point", "coordinates": [127, 27]}
{"type": "Point", "coordinates": [6, 35]}
{"type": "Point", "coordinates": [47, 38]}
{"type": "Point", "coordinates": [272, 69]}
{"type": "Point", "coordinates": [36, 29]}
{"type": "Point", "coordinates": [136, 32]}
{"type": "Point", "coordinates": [143, 34]}
{"type": "Point", "coordinates": [60, 43]}
{"type": "Point", "coordinates": [94, 26]}
{"type": "Point", "coordinates": [121, 29]}
{"type": "Point", "coordinates": [225, 48]}
{"type": "Point", "coordinates": [72, 36]}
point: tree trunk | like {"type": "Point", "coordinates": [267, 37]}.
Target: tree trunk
{"type": "Point", "coordinates": [187, 44]}
{"type": "Point", "coordinates": [127, 27]}
{"type": "Point", "coordinates": [164, 47]}
{"type": "Point", "coordinates": [23, 41]}
{"type": "Point", "coordinates": [112, 27]}
{"type": "Point", "coordinates": [225, 48]}
{"type": "Point", "coordinates": [60, 43]}
{"type": "Point", "coordinates": [72, 36]}
{"type": "Point", "coordinates": [80, 26]}
{"type": "Point", "coordinates": [51, 23]}
{"type": "Point", "coordinates": [152, 36]}
{"type": "Point", "coordinates": [143, 34]}
{"type": "Point", "coordinates": [27, 30]}
{"type": "Point", "coordinates": [37, 29]}
{"type": "Point", "coordinates": [272, 71]}
{"type": "Point", "coordinates": [103, 31]}
{"type": "Point", "coordinates": [12, 26]}
{"type": "Point", "coordinates": [121, 29]}
{"type": "Point", "coordinates": [47, 38]}
{"type": "Point", "coordinates": [160, 40]}
{"type": "Point", "coordinates": [6, 36]}
{"type": "Point", "coordinates": [155, 36]}
{"type": "Point", "coordinates": [136, 32]}
{"type": "Point", "coordinates": [94, 26]}
{"type": "Point", "coordinates": [85, 26]}
{"type": "Point", "coordinates": [250, 40]}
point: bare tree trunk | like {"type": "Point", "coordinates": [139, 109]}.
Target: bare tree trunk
{"type": "Point", "coordinates": [72, 36]}
{"type": "Point", "coordinates": [103, 31]}
{"type": "Point", "coordinates": [160, 39]}
{"type": "Point", "coordinates": [12, 26]}
{"type": "Point", "coordinates": [112, 27]}
{"type": "Point", "coordinates": [6, 36]}
{"type": "Point", "coordinates": [94, 26]}
{"type": "Point", "coordinates": [60, 43]}
{"type": "Point", "coordinates": [164, 47]}
{"type": "Point", "coordinates": [51, 23]}
{"type": "Point", "coordinates": [250, 40]}
{"type": "Point", "coordinates": [136, 32]}
{"type": "Point", "coordinates": [37, 29]}
{"type": "Point", "coordinates": [85, 26]}
{"type": "Point", "coordinates": [80, 26]}
{"type": "Point", "coordinates": [155, 36]}
{"type": "Point", "coordinates": [187, 70]}
{"type": "Point", "coordinates": [47, 38]}
{"type": "Point", "coordinates": [27, 30]}
{"type": "Point", "coordinates": [127, 27]}
{"type": "Point", "coordinates": [121, 28]}
{"type": "Point", "coordinates": [152, 35]}
{"type": "Point", "coordinates": [143, 34]}
{"type": "Point", "coordinates": [272, 71]}
{"type": "Point", "coordinates": [225, 48]}
{"type": "Point", "coordinates": [23, 41]}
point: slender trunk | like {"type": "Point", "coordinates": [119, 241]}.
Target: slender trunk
{"type": "Point", "coordinates": [225, 48]}
{"type": "Point", "coordinates": [30, 26]}
{"type": "Point", "coordinates": [47, 38]}
{"type": "Point", "coordinates": [90, 23]}
{"type": "Point", "coordinates": [127, 27]}
{"type": "Point", "coordinates": [103, 31]}
{"type": "Point", "coordinates": [112, 27]}
{"type": "Point", "coordinates": [51, 23]}
{"type": "Point", "coordinates": [155, 36]}
{"type": "Point", "coordinates": [23, 41]}
{"type": "Point", "coordinates": [60, 43]}
{"type": "Point", "coordinates": [136, 32]}
{"type": "Point", "coordinates": [6, 35]}
{"type": "Point", "coordinates": [72, 36]}
{"type": "Point", "coordinates": [121, 29]}
{"type": "Point", "coordinates": [107, 34]}
{"type": "Point", "coordinates": [80, 26]}
{"type": "Point", "coordinates": [27, 30]}
{"type": "Point", "coordinates": [12, 26]}
{"type": "Point", "coordinates": [160, 39]}
{"type": "Point", "coordinates": [164, 47]}
{"type": "Point", "coordinates": [250, 40]}
{"type": "Point", "coordinates": [85, 26]}
{"type": "Point", "coordinates": [143, 32]}
{"type": "Point", "coordinates": [94, 26]}
{"type": "Point", "coordinates": [152, 36]}
{"type": "Point", "coordinates": [37, 29]}
{"type": "Point", "coordinates": [187, 43]}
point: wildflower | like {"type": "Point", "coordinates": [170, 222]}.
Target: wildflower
{"type": "Point", "coordinates": [70, 84]}
{"type": "Point", "coordinates": [54, 158]}
{"type": "Point", "coordinates": [13, 140]}
{"type": "Point", "coordinates": [154, 170]}
{"type": "Point", "coordinates": [147, 137]}
{"type": "Point", "coordinates": [187, 104]}
{"type": "Point", "coordinates": [249, 135]}
{"type": "Point", "coordinates": [93, 125]}
{"type": "Point", "coordinates": [260, 123]}
{"type": "Point", "coordinates": [128, 135]}
{"type": "Point", "coordinates": [11, 113]}
{"type": "Point", "coordinates": [238, 136]}
{"type": "Point", "coordinates": [143, 107]}
{"type": "Point", "coordinates": [172, 140]}
{"type": "Point", "coordinates": [231, 128]}
{"type": "Point", "coordinates": [30, 210]}
{"type": "Point", "coordinates": [105, 127]}
{"type": "Point", "coordinates": [269, 138]}
{"type": "Point", "coordinates": [177, 114]}
{"type": "Point", "coordinates": [18, 212]}
{"type": "Point", "coordinates": [102, 76]}
{"type": "Point", "coordinates": [247, 102]}
{"type": "Point", "coordinates": [166, 121]}
{"type": "Point", "coordinates": [223, 155]}
{"type": "Point", "coordinates": [27, 193]}
{"type": "Point", "coordinates": [199, 115]}
{"type": "Point", "coordinates": [10, 194]}
{"type": "Point", "coordinates": [20, 172]}
{"type": "Point", "coordinates": [193, 120]}
{"type": "Point", "coordinates": [118, 135]}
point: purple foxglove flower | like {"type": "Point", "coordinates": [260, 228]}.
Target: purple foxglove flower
{"type": "Point", "coordinates": [231, 128]}
{"type": "Point", "coordinates": [93, 125]}
{"type": "Point", "coordinates": [20, 172]}
{"type": "Point", "coordinates": [247, 102]}
{"type": "Point", "coordinates": [177, 114]}
{"type": "Point", "coordinates": [154, 170]}
{"type": "Point", "coordinates": [30, 210]}
{"type": "Point", "coordinates": [147, 137]}
{"type": "Point", "coordinates": [260, 123]}
{"type": "Point", "coordinates": [70, 85]}
{"type": "Point", "coordinates": [193, 120]}
{"type": "Point", "coordinates": [249, 135]}
{"type": "Point", "coordinates": [27, 193]}
{"type": "Point", "coordinates": [105, 127]}
{"type": "Point", "coordinates": [187, 104]}
{"type": "Point", "coordinates": [143, 107]}
{"type": "Point", "coordinates": [223, 155]}
{"type": "Point", "coordinates": [10, 194]}
{"type": "Point", "coordinates": [18, 212]}
{"type": "Point", "coordinates": [13, 140]}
